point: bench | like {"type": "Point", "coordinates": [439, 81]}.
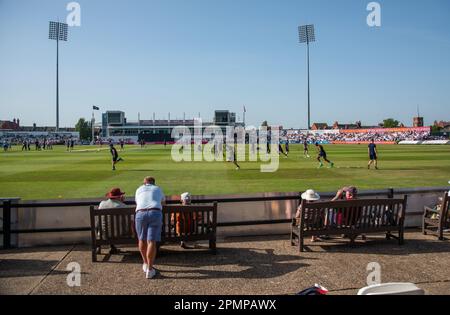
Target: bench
{"type": "Point", "coordinates": [350, 218]}
{"type": "Point", "coordinates": [435, 221]}
{"type": "Point", "coordinates": [180, 223]}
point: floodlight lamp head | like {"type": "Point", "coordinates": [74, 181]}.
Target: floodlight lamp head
{"type": "Point", "coordinates": [58, 31]}
{"type": "Point", "coordinates": [306, 33]}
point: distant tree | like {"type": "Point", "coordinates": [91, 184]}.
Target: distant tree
{"type": "Point", "coordinates": [84, 128]}
{"type": "Point", "coordinates": [264, 123]}
{"type": "Point", "coordinates": [390, 123]}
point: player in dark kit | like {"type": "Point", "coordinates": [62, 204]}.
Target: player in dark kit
{"type": "Point", "coordinates": [322, 155]}
{"type": "Point", "coordinates": [114, 155]}
{"type": "Point", "coordinates": [305, 149]}
{"type": "Point", "coordinates": [373, 155]}
{"type": "Point", "coordinates": [280, 149]}
{"type": "Point", "coordinates": [121, 144]}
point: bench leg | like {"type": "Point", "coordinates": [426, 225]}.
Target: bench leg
{"type": "Point", "coordinates": [388, 235]}
{"type": "Point", "coordinates": [301, 247]}
{"type": "Point", "coordinates": [212, 246]}
{"type": "Point", "coordinates": [401, 240]}
{"type": "Point", "coordinates": [94, 254]}
{"type": "Point", "coordinates": [295, 238]}
{"type": "Point", "coordinates": [441, 234]}
{"type": "Point", "coordinates": [424, 227]}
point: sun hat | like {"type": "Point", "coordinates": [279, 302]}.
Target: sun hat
{"type": "Point", "coordinates": [115, 193]}
{"type": "Point", "coordinates": [310, 195]}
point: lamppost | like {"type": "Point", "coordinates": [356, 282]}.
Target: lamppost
{"type": "Point", "coordinates": [58, 32]}
{"type": "Point", "coordinates": [306, 35]}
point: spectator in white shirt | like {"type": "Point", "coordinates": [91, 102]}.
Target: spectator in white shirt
{"type": "Point", "coordinates": [149, 200]}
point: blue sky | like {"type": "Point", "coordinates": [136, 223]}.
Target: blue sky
{"type": "Point", "coordinates": [196, 56]}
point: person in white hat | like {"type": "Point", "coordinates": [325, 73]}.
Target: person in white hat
{"type": "Point", "coordinates": [182, 222]}
{"type": "Point", "coordinates": [310, 196]}
{"type": "Point", "coordinates": [185, 198]}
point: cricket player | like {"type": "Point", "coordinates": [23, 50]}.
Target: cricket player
{"type": "Point", "coordinates": [322, 155]}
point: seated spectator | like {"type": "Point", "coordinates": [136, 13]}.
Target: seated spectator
{"type": "Point", "coordinates": [115, 200]}
{"type": "Point", "coordinates": [185, 223]}
{"type": "Point", "coordinates": [346, 193]}
{"type": "Point", "coordinates": [309, 196]}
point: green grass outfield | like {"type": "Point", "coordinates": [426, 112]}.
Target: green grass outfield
{"type": "Point", "coordinates": [86, 172]}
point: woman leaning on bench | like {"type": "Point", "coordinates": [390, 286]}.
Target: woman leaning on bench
{"type": "Point", "coordinates": [346, 193]}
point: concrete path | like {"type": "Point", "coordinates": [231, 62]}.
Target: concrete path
{"type": "Point", "coordinates": [251, 265]}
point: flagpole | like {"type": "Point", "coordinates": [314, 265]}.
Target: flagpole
{"type": "Point", "coordinates": [92, 126]}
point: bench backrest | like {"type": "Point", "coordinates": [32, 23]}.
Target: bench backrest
{"type": "Point", "coordinates": [195, 220]}
{"type": "Point", "coordinates": [361, 214]}
{"type": "Point", "coordinates": [117, 224]}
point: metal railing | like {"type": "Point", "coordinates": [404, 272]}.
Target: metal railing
{"type": "Point", "coordinates": [7, 204]}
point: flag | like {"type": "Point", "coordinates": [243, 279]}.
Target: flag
{"type": "Point", "coordinates": [95, 108]}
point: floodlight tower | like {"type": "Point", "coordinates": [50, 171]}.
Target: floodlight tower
{"type": "Point", "coordinates": [57, 31]}
{"type": "Point", "coordinates": [306, 35]}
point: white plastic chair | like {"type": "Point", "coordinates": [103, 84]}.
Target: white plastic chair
{"type": "Point", "coordinates": [392, 289]}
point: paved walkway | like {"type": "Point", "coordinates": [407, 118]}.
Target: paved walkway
{"type": "Point", "coordinates": [256, 265]}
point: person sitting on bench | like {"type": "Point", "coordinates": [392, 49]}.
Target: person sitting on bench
{"type": "Point", "coordinates": [184, 224]}
{"type": "Point", "coordinates": [346, 193]}
{"type": "Point", "coordinates": [115, 200]}
{"type": "Point", "coordinates": [310, 196]}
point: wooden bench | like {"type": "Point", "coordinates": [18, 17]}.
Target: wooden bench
{"type": "Point", "coordinates": [350, 218]}
{"type": "Point", "coordinates": [435, 221]}
{"type": "Point", "coordinates": [116, 226]}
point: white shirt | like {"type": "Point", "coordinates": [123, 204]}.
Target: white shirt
{"type": "Point", "coordinates": [148, 197]}
{"type": "Point", "coordinates": [110, 204]}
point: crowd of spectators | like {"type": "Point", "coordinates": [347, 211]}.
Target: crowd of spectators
{"type": "Point", "coordinates": [296, 136]}
{"type": "Point", "coordinates": [19, 139]}
{"type": "Point", "coordinates": [28, 142]}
